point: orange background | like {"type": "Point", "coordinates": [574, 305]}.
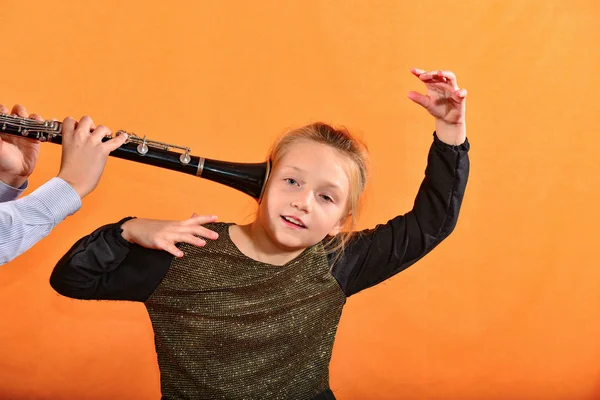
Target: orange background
{"type": "Point", "coordinates": [507, 308]}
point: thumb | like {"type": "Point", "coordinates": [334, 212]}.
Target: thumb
{"type": "Point", "coordinates": [419, 98]}
{"type": "Point", "coordinates": [459, 95]}
{"type": "Point", "coordinates": [191, 220]}
{"type": "Point", "coordinates": [204, 219]}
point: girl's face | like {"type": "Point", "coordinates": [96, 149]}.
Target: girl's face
{"type": "Point", "coordinates": [306, 196]}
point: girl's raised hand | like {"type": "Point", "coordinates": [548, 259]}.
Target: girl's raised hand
{"type": "Point", "coordinates": [445, 101]}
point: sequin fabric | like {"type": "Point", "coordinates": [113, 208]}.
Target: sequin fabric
{"type": "Point", "coordinates": [229, 327]}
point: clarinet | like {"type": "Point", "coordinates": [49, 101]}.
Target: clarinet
{"type": "Point", "coordinates": [249, 178]}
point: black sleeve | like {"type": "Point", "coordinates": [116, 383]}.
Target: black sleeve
{"type": "Point", "coordinates": [374, 255]}
{"type": "Point", "coordinates": [104, 266]}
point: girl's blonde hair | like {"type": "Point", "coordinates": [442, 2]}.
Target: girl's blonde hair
{"type": "Point", "coordinates": [348, 146]}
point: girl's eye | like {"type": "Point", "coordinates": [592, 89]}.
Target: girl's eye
{"type": "Point", "coordinates": [327, 198]}
{"type": "Point", "coordinates": [291, 181]}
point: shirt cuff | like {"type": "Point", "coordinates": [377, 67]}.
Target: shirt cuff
{"type": "Point", "coordinates": [9, 193]}
{"type": "Point", "coordinates": [60, 198]}
{"type": "Point", "coordinates": [464, 147]}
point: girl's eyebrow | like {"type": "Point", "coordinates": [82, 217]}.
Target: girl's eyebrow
{"type": "Point", "coordinates": [327, 184]}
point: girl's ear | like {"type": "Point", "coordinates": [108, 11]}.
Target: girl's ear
{"type": "Point", "coordinates": [336, 229]}
{"type": "Point", "coordinates": [269, 170]}
{"type": "Point", "coordinates": [340, 224]}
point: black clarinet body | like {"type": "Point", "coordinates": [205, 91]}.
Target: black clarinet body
{"type": "Point", "coordinates": [249, 178]}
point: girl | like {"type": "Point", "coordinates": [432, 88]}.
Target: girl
{"type": "Point", "coordinates": [252, 313]}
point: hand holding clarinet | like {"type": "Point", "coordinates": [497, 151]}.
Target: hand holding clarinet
{"type": "Point", "coordinates": [84, 154]}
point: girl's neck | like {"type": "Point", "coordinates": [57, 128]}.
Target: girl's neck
{"type": "Point", "coordinates": [253, 242]}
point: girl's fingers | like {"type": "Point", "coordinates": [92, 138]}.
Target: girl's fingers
{"type": "Point", "coordinates": [191, 228]}
{"type": "Point", "coordinates": [171, 248]}
{"type": "Point", "coordinates": [204, 232]}
{"type": "Point", "coordinates": [186, 238]}
{"type": "Point", "coordinates": [417, 71]}
{"type": "Point", "coordinates": [444, 86]}
{"type": "Point", "coordinates": [440, 76]}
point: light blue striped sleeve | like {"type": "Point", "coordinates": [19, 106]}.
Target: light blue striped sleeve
{"type": "Point", "coordinates": [26, 221]}
{"type": "Point", "coordinates": [9, 193]}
